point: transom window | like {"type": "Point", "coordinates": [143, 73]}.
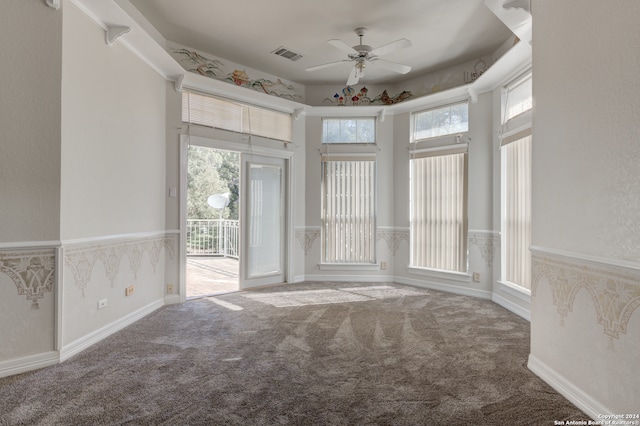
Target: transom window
{"type": "Point", "coordinates": [519, 98]}
{"type": "Point", "coordinates": [441, 121]}
{"type": "Point", "coordinates": [348, 130]}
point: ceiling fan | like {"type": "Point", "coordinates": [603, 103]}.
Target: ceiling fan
{"type": "Point", "coordinates": [363, 55]}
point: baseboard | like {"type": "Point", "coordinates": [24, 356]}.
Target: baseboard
{"type": "Point", "coordinates": [351, 278]}
{"type": "Point", "coordinates": [567, 389]}
{"type": "Point", "coordinates": [28, 363]}
{"type": "Point", "coordinates": [299, 279]}
{"type": "Point", "coordinates": [510, 306]}
{"type": "Point", "coordinates": [90, 339]}
{"type": "Point", "coordinates": [172, 299]}
{"type": "Point", "coordinates": [464, 291]}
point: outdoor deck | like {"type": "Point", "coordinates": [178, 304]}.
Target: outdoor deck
{"type": "Point", "coordinates": [207, 275]}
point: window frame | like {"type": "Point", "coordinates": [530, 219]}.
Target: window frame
{"type": "Point", "coordinates": [414, 118]}
{"type": "Point", "coordinates": [330, 263]}
{"type": "Point", "coordinates": [514, 130]}
{"type": "Point", "coordinates": [460, 275]}
{"type": "Point", "coordinates": [356, 119]}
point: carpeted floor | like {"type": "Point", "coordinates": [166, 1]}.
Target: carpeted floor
{"type": "Point", "coordinates": [354, 354]}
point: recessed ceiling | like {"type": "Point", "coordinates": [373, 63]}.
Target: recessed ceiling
{"type": "Point", "coordinates": [443, 33]}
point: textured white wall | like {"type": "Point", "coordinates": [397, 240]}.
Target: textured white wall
{"type": "Point", "coordinates": [586, 198]}
{"type": "Point", "coordinates": [113, 136]}
{"type": "Point", "coordinates": [586, 152]}
{"type": "Point", "coordinates": [113, 179]}
{"type": "Point", "coordinates": [31, 67]}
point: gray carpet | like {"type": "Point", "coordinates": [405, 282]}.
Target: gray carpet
{"type": "Point", "coordinates": [357, 354]}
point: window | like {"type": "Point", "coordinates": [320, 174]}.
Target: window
{"type": "Point", "coordinates": [441, 121]}
{"type": "Point", "coordinates": [516, 209]}
{"type": "Point", "coordinates": [348, 209]}
{"type": "Point", "coordinates": [348, 130]}
{"type": "Point", "coordinates": [236, 117]}
{"type": "Point", "coordinates": [516, 184]}
{"type": "Point", "coordinates": [439, 209]}
{"type": "Point", "coordinates": [519, 98]}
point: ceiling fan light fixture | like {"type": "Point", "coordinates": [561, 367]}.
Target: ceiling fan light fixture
{"type": "Point", "coordinates": [362, 53]}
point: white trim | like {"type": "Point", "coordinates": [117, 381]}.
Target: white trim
{"type": "Point", "coordinates": [439, 274]}
{"type": "Point", "coordinates": [464, 291]}
{"type": "Point", "coordinates": [567, 389]}
{"type": "Point", "coordinates": [510, 306]}
{"type": "Point", "coordinates": [350, 278]}
{"type": "Point", "coordinates": [172, 299]}
{"type": "Point", "coordinates": [111, 238]}
{"type": "Point", "coordinates": [94, 337]}
{"type": "Point", "coordinates": [28, 363]}
{"type": "Point", "coordinates": [29, 245]}
{"type": "Point", "coordinates": [516, 291]}
{"type": "Point", "coordinates": [597, 261]}
{"type": "Point", "coordinates": [299, 279]}
{"type": "Point", "coordinates": [348, 266]}
{"type": "Point", "coordinates": [484, 232]}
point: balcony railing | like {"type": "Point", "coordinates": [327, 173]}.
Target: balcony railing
{"type": "Point", "coordinates": [213, 237]}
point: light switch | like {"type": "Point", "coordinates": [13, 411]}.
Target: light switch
{"type": "Point", "coordinates": [173, 192]}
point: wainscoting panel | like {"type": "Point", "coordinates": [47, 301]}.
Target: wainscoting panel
{"type": "Point", "coordinates": [103, 269]}
{"type": "Point", "coordinates": [585, 326]}
{"type": "Point", "coordinates": [27, 307]}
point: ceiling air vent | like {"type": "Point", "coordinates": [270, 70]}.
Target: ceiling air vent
{"type": "Point", "coordinates": [286, 53]}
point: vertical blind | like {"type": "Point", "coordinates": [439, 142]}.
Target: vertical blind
{"type": "Point", "coordinates": [438, 210]}
{"type": "Point", "coordinates": [516, 225]}
{"type": "Point", "coordinates": [236, 117]}
{"type": "Point", "coordinates": [348, 209]}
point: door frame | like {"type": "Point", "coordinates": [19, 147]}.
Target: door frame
{"type": "Point", "coordinates": [224, 140]}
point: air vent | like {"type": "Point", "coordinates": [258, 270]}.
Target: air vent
{"type": "Point", "coordinates": [286, 53]}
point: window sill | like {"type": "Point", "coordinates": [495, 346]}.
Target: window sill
{"type": "Point", "coordinates": [515, 290]}
{"type": "Point", "coordinates": [440, 274]}
{"type": "Point", "coordinates": [348, 266]}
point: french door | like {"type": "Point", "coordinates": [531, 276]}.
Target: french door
{"type": "Point", "coordinates": [263, 214]}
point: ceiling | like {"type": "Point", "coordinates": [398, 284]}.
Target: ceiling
{"type": "Point", "coordinates": [443, 33]}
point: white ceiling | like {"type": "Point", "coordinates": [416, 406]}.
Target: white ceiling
{"type": "Point", "coordinates": [443, 33]}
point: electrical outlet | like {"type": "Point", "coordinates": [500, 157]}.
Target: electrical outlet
{"type": "Point", "coordinates": [102, 303]}
{"type": "Point", "coordinates": [169, 288]}
{"type": "Point", "coordinates": [383, 266]}
{"type": "Point", "coordinates": [476, 277]}
{"type": "Point", "coordinates": [128, 291]}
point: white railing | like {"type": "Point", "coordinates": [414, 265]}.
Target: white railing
{"type": "Point", "coordinates": [213, 237]}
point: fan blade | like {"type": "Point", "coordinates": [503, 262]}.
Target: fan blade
{"type": "Point", "coordinates": [343, 46]}
{"type": "Point", "coordinates": [392, 66]}
{"type": "Point", "coordinates": [391, 47]}
{"type": "Point", "coordinates": [330, 64]}
{"type": "Point", "coordinates": [353, 77]}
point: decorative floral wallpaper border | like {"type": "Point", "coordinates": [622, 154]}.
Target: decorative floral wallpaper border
{"type": "Point", "coordinates": [31, 270]}
{"type": "Point", "coordinates": [215, 68]}
{"type": "Point", "coordinates": [615, 290]}
{"type": "Point", "coordinates": [82, 258]}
